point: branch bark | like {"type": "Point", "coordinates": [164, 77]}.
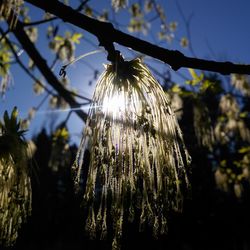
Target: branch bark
{"type": "Point", "coordinates": [104, 30]}
{"type": "Point", "coordinates": [41, 64]}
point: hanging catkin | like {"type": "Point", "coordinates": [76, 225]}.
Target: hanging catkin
{"type": "Point", "coordinates": [15, 183]}
{"type": "Point", "coordinates": [138, 160]}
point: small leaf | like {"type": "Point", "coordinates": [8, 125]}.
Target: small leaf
{"type": "Point", "coordinates": [243, 114]}
{"type": "Point", "coordinates": [38, 88]}
{"type": "Point", "coordinates": [173, 26]}
{"type": "Point", "coordinates": [148, 6]}
{"type": "Point", "coordinates": [223, 163]}
{"type": "Point", "coordinates": [184, 42]}
{"type": "Point", "coordinates": [205, 85]}
{"type": "Point", "coordinates": [88, 11]}
{"type": "Point", "coordinates": [135, 10]}
{"type": "Point", "coordinates": [176, 89]}
{"type": "Point", "coordinates": [76, 38]}
{"type": "Point", "coordinates": [58, 38]}
{"type": "Point", "coordinates": [193, 73]}
{"type": "Point", "coordinates": [244, 150]}
{"type": "Point", "coordinates": [14, 114]}
{"type": "Point", "coordinates": [196, 78]}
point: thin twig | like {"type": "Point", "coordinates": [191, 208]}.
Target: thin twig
{"type": "Point", "coordinates": [187, 24]}
{"type": "Point", "coordinates": [79, 8]}
{"type": "Point", "coordinates": [24, 67]}
{"type": "Point", "coordinates": [82, 56]}
{"type": "Point", "coordinates": [4, 34]}
{"type": "Point", "coordinates": [42, 102]}
{"type": "Point", "coordinates": [40, 22]}
{"type": "Point", "coordinates": [41, 64]}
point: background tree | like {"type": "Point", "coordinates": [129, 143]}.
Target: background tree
{"type": "Point", "coordinates": [213, 111]}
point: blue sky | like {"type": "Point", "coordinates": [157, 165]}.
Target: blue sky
{"type": "Point", "coordinates": [219, 30]}
{"type": "Point", "coordinates": [224, 24]}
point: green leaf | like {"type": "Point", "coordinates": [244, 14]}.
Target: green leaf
{"type": "Point", "coordinates": [196, 78]}
{"type": "Point", "coordinates": [14, 114]}
{"type": "Point", "coordinates": [11, 125]}
{"type": "Point", "coordinates": [135, 10]}
{"type": "Point", "coordinates": [58, 38]}
{"type": "Point", "coordinates": [223, 163]}
{"type": "Point", "coordinates": [221, 118]}
{"type": "Point", "coordinates": [184, 42]}
{"type": "Point", "coordinates": [176, 89]}
{"type": "Point", "coordinates": [76, 38]}
{"type": "Point", "coordinates": [88, 11]}
{"type": "Point", "coordinates": [237, 164]}
{"type": "Point", "coordinates": [243, 114]}
{"type": "Point", "coordinates": [244, 150]}
{"type": "Point", "coordinates": [206, 85]}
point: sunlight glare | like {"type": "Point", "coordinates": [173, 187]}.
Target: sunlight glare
{"type": "Point", "coordinates": [114, 104]}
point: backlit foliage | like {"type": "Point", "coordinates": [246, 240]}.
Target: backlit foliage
{"type": "Point", "coordinates": [15, 186]}
{"type": "Point", "coordinates": [137, 22]}
{"type": "Point", "coordinates": [230, 176]}
{"type": "Point", "coordinates": [118, 4]}
{"type": "Point", "coordinates": [231, 122]}
{"type": "Point", "coordinates": [64, 47]}
{"type": "Point", "coordinates": [184, 42]}
{"type": "Point", "coordinates": [137, 156]}
{"type": "Point", "coordinates": [202, 125]}
{"type": "Point", "coordinates": [9, 9]}
{"type": "Point", "coordinates": [60, 154]}
{"type": "Point", "coordinates": [32, 32]}
{"type": "Point", "coordinates": [56, 102]}
{"type": "Point", "coordinates": [221, 126]}
{"type": "Point", "coordinates": [242, 83]}
{"type": "Point", "coordinates": [38, 87]}
{"type": "Point", "coordinates": [232, 132]}
{"type": "Point", "coordinates": [5, 59]}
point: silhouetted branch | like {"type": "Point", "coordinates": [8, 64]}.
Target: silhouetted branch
{"type": "Point", "coordinates": [41, 64]}
{"type": "Point", "coordinates": [105, 30]}
{"type": "Point", "coordinates": [4, 34]}
{"type": "Point", "coordinates": [40, 22]}
{"type": "Point", "coordinates": [80, 7]}
{"type": "Point", "coordinates": [26, 70]}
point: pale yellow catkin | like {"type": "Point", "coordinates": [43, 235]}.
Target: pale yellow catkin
{"type": "Point", "coordinates": [138, 160]}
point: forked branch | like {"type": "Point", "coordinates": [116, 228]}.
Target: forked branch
{"type": "Point", "coordinates": [41, 64]}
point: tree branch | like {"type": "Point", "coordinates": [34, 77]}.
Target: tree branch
{"type": "Point", "coordinates": [40, 22]}
{"type": "Point", "coordinates": [106, 30]}
{"type": "Point", "coordinates": [4, 34]}
{"type": "Point", "coordinates": [80, 7]}
{"type": "Point", "coordinates": [27, 71]}
{"type": "Point", "coordinates": [41, 64]}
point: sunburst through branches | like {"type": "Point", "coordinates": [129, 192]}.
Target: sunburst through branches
{"type": "Point", "coordinates": [137, 165]}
